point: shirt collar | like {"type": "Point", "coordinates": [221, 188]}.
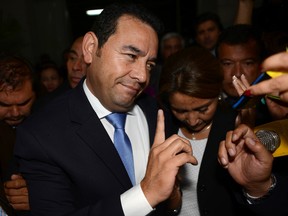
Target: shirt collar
{"type": "Point", "coordinates": [100, 110]}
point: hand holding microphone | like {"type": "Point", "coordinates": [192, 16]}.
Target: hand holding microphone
{"type": "Point", "coordinates": [274, 136]}
{"type": "Point", "coordinates": [270, 139]}
{"type": "Point", "coordinates": [247, 160]}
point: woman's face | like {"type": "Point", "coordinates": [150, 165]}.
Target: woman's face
{"type": "Point", "coordinates": [50, 79]}
{"type": "Point", "coordinates": [195, 113]}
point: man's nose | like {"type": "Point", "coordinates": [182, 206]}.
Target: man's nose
{"type": "Point", "coordinates": [15, 111]}
{"type": "Point", "coordinates": [78, 64]}
{"type": "Point", "coordinates": [237, 70]}
{"type": "Point", "coordinates": [140, 72]}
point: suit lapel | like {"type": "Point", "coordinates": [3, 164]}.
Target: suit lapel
{"type": "Point", "coordinates": [149, 107]}
{"type": "Point", "coordinates": [95, 136]}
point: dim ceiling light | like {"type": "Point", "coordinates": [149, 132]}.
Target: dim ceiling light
{"type": "Point", "coordinates": [94, 12]}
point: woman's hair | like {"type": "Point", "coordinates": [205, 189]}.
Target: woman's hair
{"type": "Point", "coordinates": [193, 71]}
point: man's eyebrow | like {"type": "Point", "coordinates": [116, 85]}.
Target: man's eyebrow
{"type": "Point", "coordinates": [137, 51]}
{"type": "Point", "coordinates": [3, 104]}
{"type": "Point", "coordinates": [72, 52]}
{"type": "Point", "coordinates": [26, 101]}
{"type": "Point", "coordinates": [133, 49]}
{"type": "Point", "coordinates": [250, 58]}
{"type": "Point", "coordinates": [18, 104]}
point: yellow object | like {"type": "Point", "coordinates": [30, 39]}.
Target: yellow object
{"type": "Point", "coordinates": [281, 128]}
{"type": "Point", "coordinates": [274, 74]}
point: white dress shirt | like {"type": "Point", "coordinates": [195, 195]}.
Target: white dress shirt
{"type": "Point", "coordinates": [133, 201]}
{"type": "Point", "coordinates": [2, 212]}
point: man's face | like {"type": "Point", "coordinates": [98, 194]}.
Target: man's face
{"type": "Point", "coordinates": [171, 46]}
{"type": "Point", "coordinates": [76, 66]}
{"type": "Point", "coordinates": [237, 60]}
{"type": "Point", "coordinates": [207, 34]}
{"type": "Point", "coordinates": [15, 105]}
{"type": "Point", "coordinates": [120, 70]}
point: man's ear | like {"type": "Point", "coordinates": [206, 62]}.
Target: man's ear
{"type": "Point", "coordinates": [89, 46]}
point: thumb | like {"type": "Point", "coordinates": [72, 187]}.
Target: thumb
{"type": "Point", "coordinates": [258, 149]}
{"type": "Point", "coordinates": [160, 129]}
{"type": "Point", "coordinates": [16, 176]}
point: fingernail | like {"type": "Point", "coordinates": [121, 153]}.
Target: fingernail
{"type": "Point", "coordinates": [234, 137]}
{"type": "Point", "coordinates": [231, 152]}
{"type": "Point", "coordinates": [250, 141]}
{"type": "Point", "coordinates": [223, 161]}
{"type": "Point", "coordinates": [248, 93]}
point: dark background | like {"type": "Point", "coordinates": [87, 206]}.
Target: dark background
{"type": "Point", "coordinates": [175, 14]}
{"type": "Point", "coordinates": [37, 28]}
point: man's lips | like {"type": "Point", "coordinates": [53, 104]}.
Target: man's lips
{"type": "Point", "coordinates": [134, 88]}
{"type": "Point", "coordinates": [15, 121]}
{"type": "Point", "coordinates": [75, 79]}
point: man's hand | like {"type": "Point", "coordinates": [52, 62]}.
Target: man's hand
{"type": "Point", "coordinates": [17, 193]}
{"type": "Point", "coordinates": [247, 160]}
{"type": "Point", "coordinates": [165, 159]}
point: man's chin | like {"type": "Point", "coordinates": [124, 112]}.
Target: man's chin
{"type": "Point", "coordinates": [14, 123]}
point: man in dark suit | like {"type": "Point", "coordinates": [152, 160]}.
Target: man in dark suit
{"type": "Point", "coordinates": [66, 152]}
{"type": "Point", "coordinates": [17, 95]}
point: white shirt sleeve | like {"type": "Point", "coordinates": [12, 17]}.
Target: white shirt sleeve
{"type": "Point", "coordinates": [134, 202]}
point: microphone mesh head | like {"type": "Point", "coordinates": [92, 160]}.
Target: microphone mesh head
{"type": "Point", "coordinates": [270, 139]}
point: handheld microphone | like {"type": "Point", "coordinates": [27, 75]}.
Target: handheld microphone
{"type": "Point", "coordinates": [274, 136]}
{"type": "Point", "coordinates": [270, 139]}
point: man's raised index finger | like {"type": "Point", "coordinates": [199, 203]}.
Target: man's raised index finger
{"type": "Point", "coordinates": [160, 129]}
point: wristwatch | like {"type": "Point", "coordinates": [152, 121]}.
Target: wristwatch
{"type": "Point", "coordinates": [256, 200]}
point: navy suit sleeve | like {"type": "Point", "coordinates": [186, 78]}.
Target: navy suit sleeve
{"type": "Point", "coordinates": [277, 202]}
{"type": "Point", "coordinates": [51, 190]}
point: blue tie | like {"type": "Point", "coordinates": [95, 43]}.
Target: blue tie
{"type": "Point", "coordinates": [122, 142]}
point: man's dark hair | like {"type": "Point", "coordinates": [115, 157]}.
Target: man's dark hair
{"type": "Point", "coordinates": [14, 70]}
{"type": "Point", "coordinates": [207, 16]}
{"type": "Point", "coordinates": [106, 23]}
{"type": "Point", "coordinates": [241, 34]}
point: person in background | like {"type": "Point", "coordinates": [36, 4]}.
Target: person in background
{"type": "Point", "coordinates": [76, 67]}
{"type": "Point", "coordinates": [50, 78]}
{"type": "Point", "coordinates": [208, 26]}
{"type": "Point", "coordinates": [76, 70]}
{"type": "Point", "coordinates": [207, 29]}
{"type": "Point", "coordinates": [170, 43]}
{"type": "Point", "coordinates": [264, 185]}
{"type": "Point", "coordinates": [66, 152]}
{"type": "Point", "coordinates": [190, 84]}
{"type": "Point", "coordinates": [17, 95]}
{"type": "Point", "coordinates": [240, 52]}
